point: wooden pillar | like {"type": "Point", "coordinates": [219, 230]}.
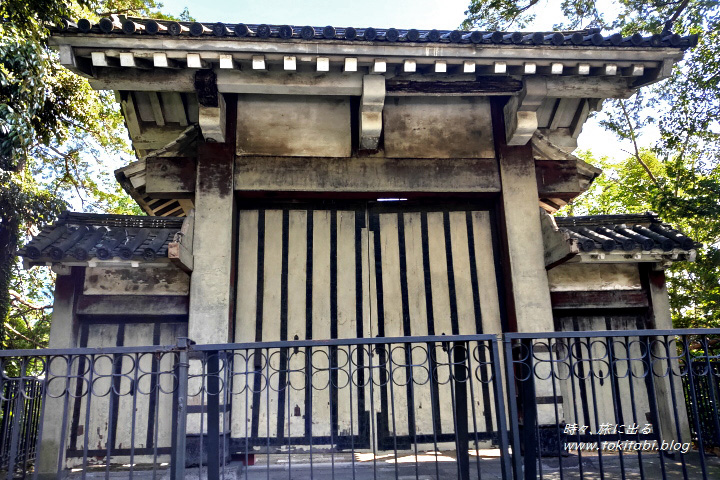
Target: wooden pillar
{"type": "Point", "coordinates": [529, 308]}
{"type": "Point", "coordinates": [64, 329]}
{"type": "Point", "coordinates": [211, 286]}
{"type": "Point", "coordinates": [661, 319]}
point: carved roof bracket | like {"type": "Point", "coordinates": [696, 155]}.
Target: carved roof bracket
{"type": "Point", "coordinates": [521, 119]}
{"type": "Point", "coordinates": [371, 108]}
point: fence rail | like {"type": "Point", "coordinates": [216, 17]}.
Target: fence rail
{"type": "Point", "coordinates": [619, 404]}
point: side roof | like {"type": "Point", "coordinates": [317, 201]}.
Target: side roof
{"type": "Point", "coordinates": [83, 238]}
{"type": "Point", "coordinates": [586, 37]}
{"type": "Point", "coordinates": [615, 239]}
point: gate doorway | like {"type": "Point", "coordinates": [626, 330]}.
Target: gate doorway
{"type": "Point", "coordinates": [344, 270]}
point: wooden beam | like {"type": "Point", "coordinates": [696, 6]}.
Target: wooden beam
{"type": "Point", "coordinates": [173, 108]}
{"type": "Point", "coordinates": [559, 177]}
{"type": "Point", "coordinates": [186, 204]}
{"type": "Point", "coordinates": [409, 66]}
{"type": "Point", "coordinates": [160, 60]}
{"type": "Point", "coordinates": [366, 174]}
{"type": "Point", "coordinates": [279, 83]}
{"type": "Point", "coordinates": [322, 64]}
{"type": "Point", "coordinates": [558, 247]}
{"type": "Point", "coordinates": [154, 137]}
{"type": "Point", "coordinates": [179, 255]}
{"type": "Point", "coordinates": [194, 61]}
{"type": "Point", "coordinates": [79, 65]}
{"type": "Point", "coordinates": [131, 305]}
{"type": "Point", "coordinates": [180, 251]}
{"type": "Point", "coordinates": [564, 109]}
{"type": "Point", "coordinates": [258, 62]}
{"type": "Point", "coordinates": [351, 65]}
{"type": "Point", "coordinates": [155, 80]}
{"type": "Point", "coordinates": [156, 108]}
{"type": "Point", "coordinates": [290, 63]}
{"type": "Point", "coordinates": [580, 117]}
{"type": "Point", "coordinates": [131, 116]}
{"type": "Point", "coordinates": [212, 121]}
{"type": "Point", "coordinates": [227, 62]}
{"type": "Point", "coordinates": [169, 176]}
{"type": "Point", "coordinates": [467, 85]}
{"type": "Point", "coordinates": [371, 107]}
{"type": "Point", "coordinates": [100, 59]}
{"type": "Point", "coordinates": [599, 299]}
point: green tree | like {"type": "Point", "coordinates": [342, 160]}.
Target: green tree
{"type": "Point", "coordinates": [677, 176]}
{"type": "Point", "coordinates": [56, 137]}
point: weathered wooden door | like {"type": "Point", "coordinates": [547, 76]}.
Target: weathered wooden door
{"type": "Point", "coordinates": [356, 270]}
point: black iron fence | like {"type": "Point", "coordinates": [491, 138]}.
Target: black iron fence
{"type": "Point", "coordinates": [19, 424]}
{"type": "Point", "coordinates": [702, 397]}
{"type": "Point", "coordinates": [620, 404]}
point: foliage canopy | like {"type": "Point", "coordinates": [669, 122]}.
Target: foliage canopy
{"type": "Point", "coordinates": [57, 135]}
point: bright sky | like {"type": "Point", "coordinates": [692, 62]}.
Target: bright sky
{"type": "Point", "coordinates": [422, 14]}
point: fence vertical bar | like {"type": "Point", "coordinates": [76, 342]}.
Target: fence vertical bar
{"type": "Point", "coordinates": [177, 460]}
{"type": "Point", "coordinates": [693, 397]}
{"type": "Point", "coordinates": [17, 418]}
{"type": "Point", "coordinates": [512, 406]}
{"type": "Point", "coordinates": [529, 408]}
{"type": "Point", "coordinates": [461, 379]}
{"type": "Point", "coordinates": [213, 423]}
{"type": "Point", "coordinates": [505, 467]}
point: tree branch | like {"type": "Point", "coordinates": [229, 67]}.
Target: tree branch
{"type": "Point", "coordinates": [19, 298]}
{"type": "Point", "coordinates": [679, 10]}
{"type": "Point", "coordinates": [10, 327]}
{"type": "Point", "coordinates": [635, 145]}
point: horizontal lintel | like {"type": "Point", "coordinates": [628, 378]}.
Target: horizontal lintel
{"type": "Point", "coordinates": [127, 305]}
{"type": "Point", "coordinates": [366, 174]}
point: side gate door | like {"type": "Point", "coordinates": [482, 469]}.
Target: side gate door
{"type": "Point", "coordinates": [434, 272]}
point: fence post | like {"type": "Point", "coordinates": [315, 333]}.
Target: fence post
{"type": "Point", "coordinates": [497, 375]}
{"type": "Point", "coordinates": [18, 416]}
{"type": "Point", "coordinates": [512, 407]}
{"type": "Point", "coordinates": [213, 392]}
{"type": "Point", "coordinates": [177, 459]}
{"type": "Point", "coordinates": [461, 408]}
{"type": "Point", "coordinates": [530, 420]}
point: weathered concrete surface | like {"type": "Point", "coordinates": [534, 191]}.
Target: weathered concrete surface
{"type": "Point", "coordinates": [530, 290]}
{"type": "Point", "coordinates": [366, 174]}
{"type": "Point", "coordinates": [591, 277]}
{"type": "Point", "coordinates": [63, 334]}
{"type": "Point", "coordinates": [210, 297]}
{"type": "Point", "coordinates": [660, 308]}
{"type": "Point", "coordinates": [169, 176]}
{"type": "Point", "coordinates": [371, 107]}
{"type": "Point", "coordinates": [136, 281]}
{"type": "Point", "coordinates": [438, 127]}
{"type": "Point", "coordinates": [293, 125]}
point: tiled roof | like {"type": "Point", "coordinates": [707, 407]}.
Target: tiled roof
{"type": "Point", "coordinates": [589, 37]}
{"type": "Point", "coordinates": [628, 233]}
{"type": "Point", "coordinates": [85, 236]}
